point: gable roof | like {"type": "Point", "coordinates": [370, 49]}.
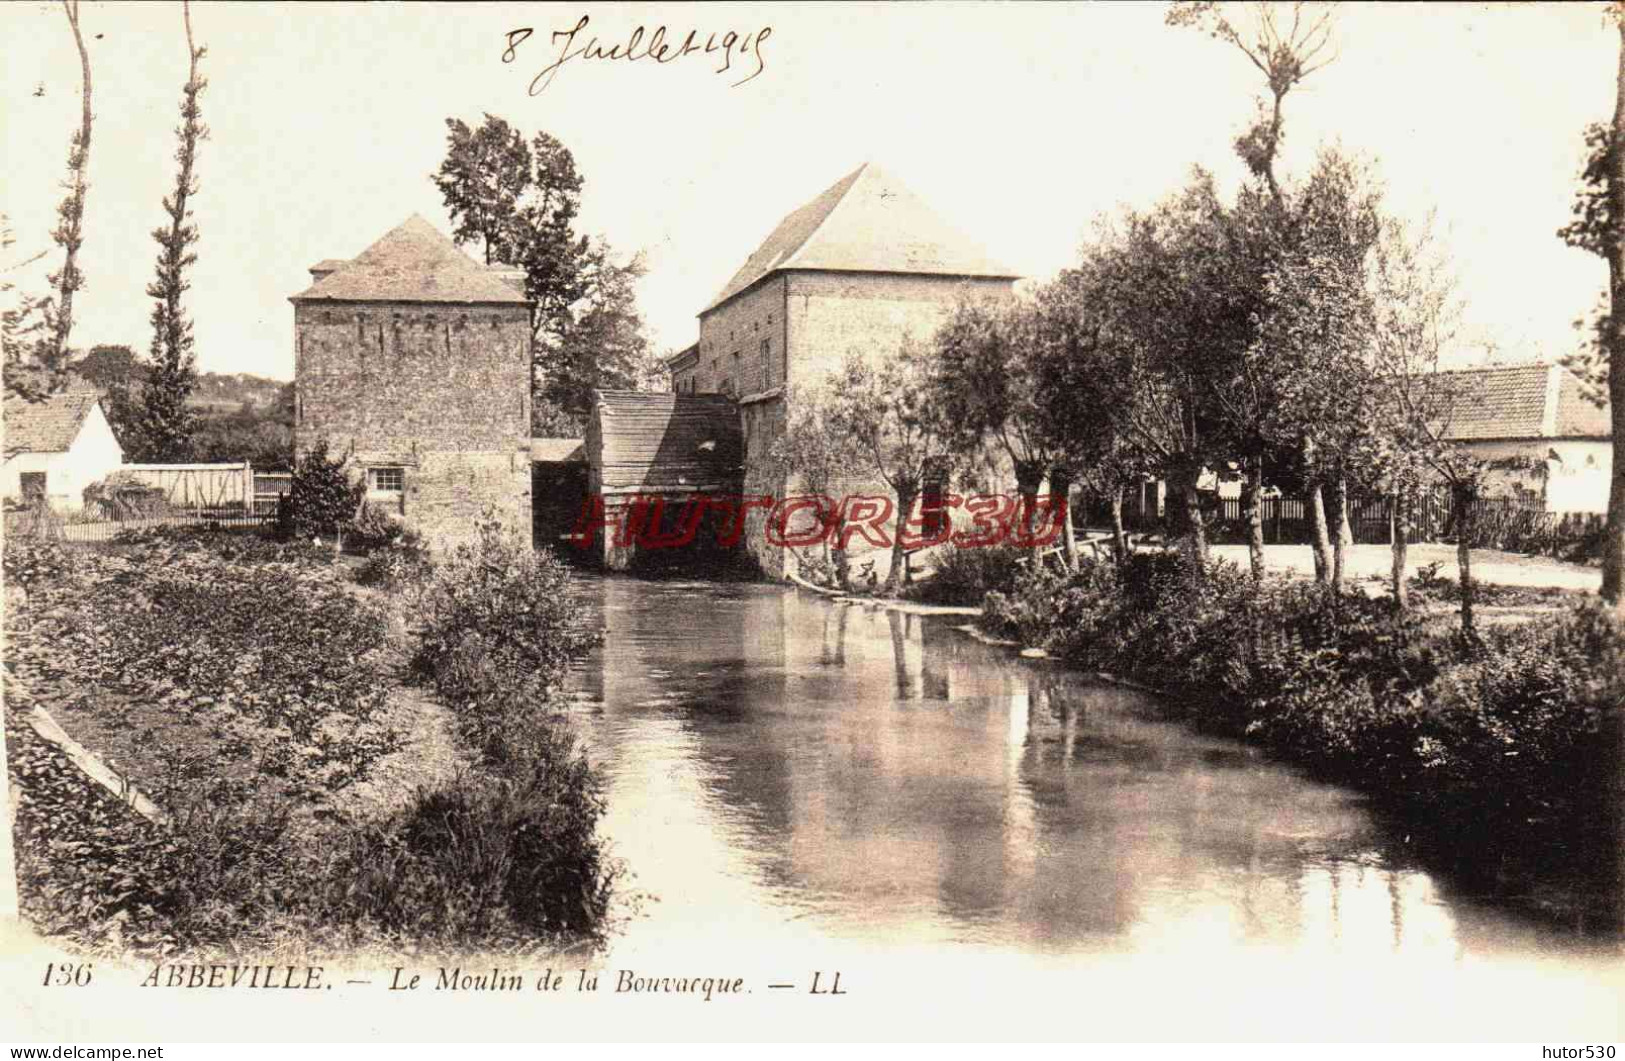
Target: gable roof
{"type": "Point", "coordinates": [1522, 401]}
{"type": "Point", "coordinates": [666, 440]}
{"type": "Point", "coordinates": [864, 222]}
{"type": "Point", "coordinates": [49, 425]}
{"type": "Point", "coordinates": [413, 262]}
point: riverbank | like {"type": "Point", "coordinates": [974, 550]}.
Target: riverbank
{"type": "Point", "coordinates": [315, 794]}
{"type": "Point", "coordinates": [1499, 755]}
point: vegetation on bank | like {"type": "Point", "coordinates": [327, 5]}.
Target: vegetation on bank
{"type": "Point", "coordinates": [1504, 745]}
{"type": "Point", "coordinates": [241, 684]}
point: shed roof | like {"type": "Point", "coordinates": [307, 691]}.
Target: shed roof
{"type": "Point", "coordinates": [557, 450]}
{"type": "Point", "coordinates": [666, 440]}
{"type": "Point", "coordinates": [412, 262]}
{"type": "Point", "coordinates": [1522, 401]}
{"type": "Point", "coordinates": [49, 425]}
{"type": "Point", "coordinates": [864, 222]}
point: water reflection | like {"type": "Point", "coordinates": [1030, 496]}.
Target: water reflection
{"type": "Point", "coordinates": [784, 768]}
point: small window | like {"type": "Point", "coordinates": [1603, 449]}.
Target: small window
{"type": "Point", "coordinates": [33, 486]}
{"type": "Point", "coordinates": [767, 363]}
{"type": "Point", "coordinates": [386, 480]}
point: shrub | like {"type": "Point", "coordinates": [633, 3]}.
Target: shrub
{"type": "Point", "coordinates": [501, 630]}
{"type": "Point", "coordinates": [322, 497]}
{"type": "Point", "coordinates": [965, 576]}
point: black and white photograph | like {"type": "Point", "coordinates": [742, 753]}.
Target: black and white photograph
{"type": "Point", "coordinates": [1092, 522]}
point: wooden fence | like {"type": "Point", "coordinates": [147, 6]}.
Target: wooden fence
{"type": "Point", "coordinates": [1498, 522]}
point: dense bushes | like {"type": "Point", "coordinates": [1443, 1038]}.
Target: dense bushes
{"type": "Point", "coordinates": [275, 667]}
{"type": "Point", "coordinates": [1505, 736]}
{"type": "Point", "coordinates": [965, 576]}
{"type": "Point", "coordinates": [517, 842]}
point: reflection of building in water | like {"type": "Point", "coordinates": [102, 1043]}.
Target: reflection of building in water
{"type": "Point", "coordinates": [870, 774]}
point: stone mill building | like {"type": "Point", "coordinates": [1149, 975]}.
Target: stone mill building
{"type": "Point", "coordinates": [413, 360]}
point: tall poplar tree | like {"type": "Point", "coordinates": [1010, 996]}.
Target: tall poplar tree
{"type": "Point", "coordinates": [165, 422]}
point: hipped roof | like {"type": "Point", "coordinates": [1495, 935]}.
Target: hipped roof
{"type": "Point", "coordinates": [865, 222]}
{"type": "Point", "coordinates": [413, 262]}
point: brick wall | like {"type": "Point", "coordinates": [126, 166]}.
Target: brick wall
{"type": "Point", "coordinates": [832, 313]}
{"type": "Point", "coordinates": [442, 391]}
{"type": "Point", "coordinates": [740, 326]}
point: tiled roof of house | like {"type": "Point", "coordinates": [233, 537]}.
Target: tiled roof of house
{"type": "Point", "coordinates": [667, 440]}
{"type": "Point", "coordinates": [865, 222]}
{"type": "Point", "coordinates": [1521, 401]}
{"type": "Point", "coordinates": [46, 426]}
{"type": "Point", "coordinates": [413, 262]}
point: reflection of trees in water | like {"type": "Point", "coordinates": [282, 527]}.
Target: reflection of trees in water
{"type": "Point", "coordinates": [913, 783]}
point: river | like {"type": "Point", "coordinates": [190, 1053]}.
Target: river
{"type": "Point", "coordinates": [790, 776]}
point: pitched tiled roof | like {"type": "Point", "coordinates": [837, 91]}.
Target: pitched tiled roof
{"type": "Point", "coordinates": [667, 440]}
{"type": "Point", "coordinates": [49, 425]}
{"type": "Point", "coordinates": [865, 222]}
{"type": "Point", "coordinates": [413, 262]}
{"type": "Point", "coordinates": [1521, 401]}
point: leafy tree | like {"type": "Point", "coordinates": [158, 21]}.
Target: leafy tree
{"type": "Point", "coordinates": [603, 346]}
{"type": "Point", "coordinates": [1599, 212]}
{"type": "Point", "coordinates": [815, 453]}
{"type": "Point", "coordinates": [1286, 54]}
{"type": "Point", "coordinates": [520, 200]}
{"type": "Point", "coordinates": [984, 379]}
{"type": "Point", "coordinates": [1158, 284]}
{"type": "Point", "coordinates": [117, 374]}
{"type": "Point", "coordinates": [37, 357]}
{"type": "Point", "coordinates": [166, 421]}
{"type": "Point", "coordinates": [886, 413]}
{"type": "Point", "coordinates": [1082, 401]}
{"type": "Point", "coordinates": [322, 498]}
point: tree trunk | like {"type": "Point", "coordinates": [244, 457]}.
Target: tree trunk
{"type": "Point", "coordinates": [1462, 498]}
{"type": "Point", "coordinates": [1119, 534]}
{"type": "Point", "coordinates": [1316, 504]}
{"type": "Point", "coordinates": [70, 228]}
{"type": "Point", "coordinates": [1252, 513]}
{"type": "Point", "coordinates": [1613, 554]}
{"type": "Point", "coordinates": [1399, 526]}
{"type": "Point", "coordinates": [1193, 529]}
{"type": "Point", "coordinates": [1321, 541]}
{"type": "Point", "coordinates": [1340, 517]}
{"type": "Point", "coordinates": [894, 575]}
{"type": "Point", "coordinates": [1029, 474]}
{"type": "Point", "coordinates": [1060, 489]}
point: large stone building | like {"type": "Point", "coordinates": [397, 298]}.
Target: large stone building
{"type": "Point", "coordinates": [862, 267]}
{"type": "Point", "coordinates": [413, 361]}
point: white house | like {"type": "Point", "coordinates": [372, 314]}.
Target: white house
{"type": "Point", "coordinates": [1537, 415]}
{"type": "Point", "coordinates": [56, 447]}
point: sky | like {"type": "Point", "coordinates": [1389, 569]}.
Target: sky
{"type": "Point", "coordinates": [1020, 124]}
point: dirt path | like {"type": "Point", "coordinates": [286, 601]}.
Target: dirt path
{"type": "Point", "coordinates": [1489, 565]}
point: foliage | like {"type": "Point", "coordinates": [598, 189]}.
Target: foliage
{"type": "Point", "coordinates": [322, 498]}
{"type": "Point", "coordinates": [520, 201]}
{"type": "Point", "coordinates": [1505, 736]}
{"type": "Point", "coordinates": [500, 631]}
{"type": "Point", "coordinates": [602, 346]}
{"type": "Point", "coordinates": [262, 645]}
{"type": "Point", "coordinates": [965, 576]}
{"type": "Point", "coordinates": [983, 378]}
{"type": "Point", "coordinates": [888, 415]}
{"type": "Point", "coordinates": [166, 420]}
{"type": "Point", "coordinates": [37, 356]}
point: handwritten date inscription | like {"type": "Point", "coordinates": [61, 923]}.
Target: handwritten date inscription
{"type": "Point", "coordinates": [725, 49]}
